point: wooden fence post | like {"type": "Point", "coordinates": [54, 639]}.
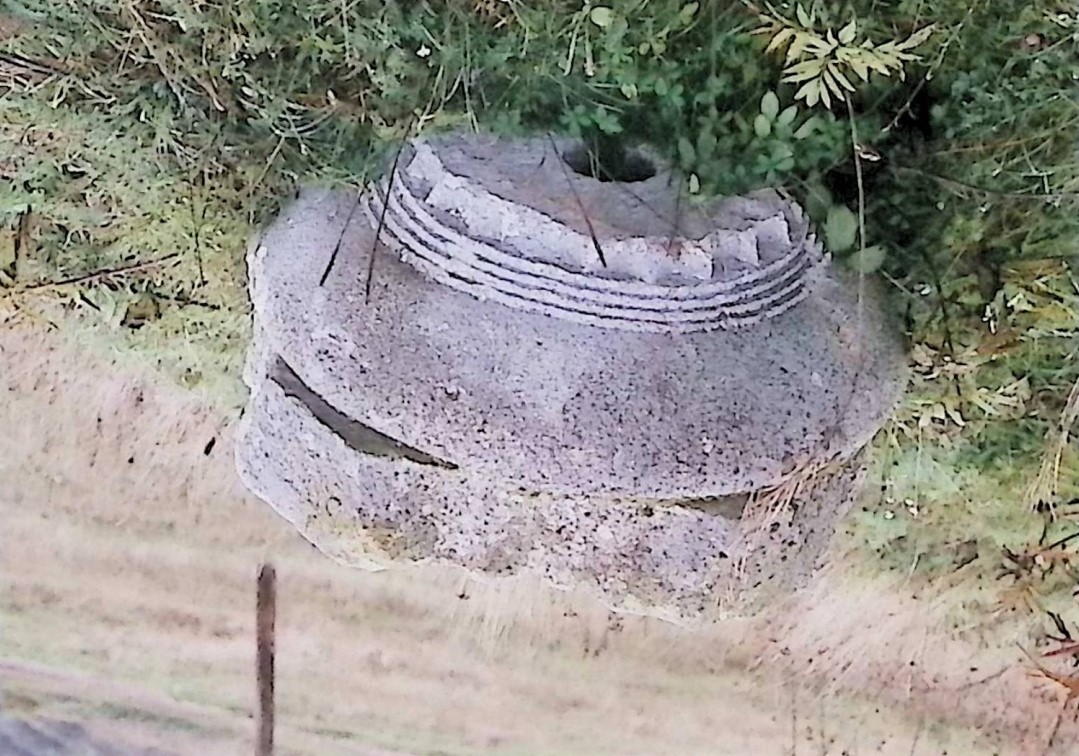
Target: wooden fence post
{"type": "Point", "coordinates": [266, 609]}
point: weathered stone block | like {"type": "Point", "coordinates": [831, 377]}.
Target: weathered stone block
{"type": "Point", "coordinates": [534, 370]}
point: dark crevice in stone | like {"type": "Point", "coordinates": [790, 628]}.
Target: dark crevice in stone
{"type": "Point", "coordinates": [358, 436]}
{"type": "Point", "coordinates": [367, 440]}
{"type": "Point", "coordinates": [730, 507]}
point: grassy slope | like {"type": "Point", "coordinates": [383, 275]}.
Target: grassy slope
{"type": "Point", "coordinates": [133, 132]}
{"type": "Point", "coordinates": [128, 570]}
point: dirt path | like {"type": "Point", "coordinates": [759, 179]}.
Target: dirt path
{"type": "Point", "coordinates": [128, 562]}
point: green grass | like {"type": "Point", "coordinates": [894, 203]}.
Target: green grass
{"type": "Point", "coordinates": [134, 131]}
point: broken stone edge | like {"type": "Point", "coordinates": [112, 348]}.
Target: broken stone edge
{"type": "Point", "coordinates": [672, 562]}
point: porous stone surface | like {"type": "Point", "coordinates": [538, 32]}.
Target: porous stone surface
{"type": "Point", "coordinates": [509, 223]}
{"type": "Point", "coordinates": [473, 391]}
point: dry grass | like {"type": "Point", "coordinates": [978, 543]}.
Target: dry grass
{"type": "Point", "coordinates": [1044, 490]}
{"type": "Point", "coordinates": [130, 556]}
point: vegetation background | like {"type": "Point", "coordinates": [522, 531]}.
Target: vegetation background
{"type": "Point", "coordinates": [142, 142]}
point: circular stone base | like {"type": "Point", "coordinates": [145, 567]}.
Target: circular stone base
{"type": "Point", "coordinates": [677, 562]}
{"type": "Point", "coordinates": [679, 475]}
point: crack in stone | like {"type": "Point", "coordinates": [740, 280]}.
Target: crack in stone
{"type": "Point", "coordinates": [356, 435]}
{"type": "Point", "coordinates": [732, 507]}
{"type": "Point", "coordinates": [366, 440]}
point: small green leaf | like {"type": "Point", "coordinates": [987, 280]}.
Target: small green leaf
{"type": "Point", "coordinates": [859, 67]}
{"type": "Point", "coordinates": [841, 78]}
{"type": "Point", "coordinates": [867, 260]}
{"type": "Point", "coordinates": [686, 152]}
{"type": "Point", "coordinates": [786, 118]}
{"type": "Point", "coordinates": [769, 105]}
{"type": "Point", "coordinates": [818, 201]}
{"type": "Point", "coordinates": [601, 16]}
{"type": "Point", "coordinates": [689, 10]}
{"type": "Point", "coordinates": [917, 38]}
{"type": "Point", "coordinates": [694, 184]}
{"type": "Point", "coordinates": [848, 32]}
{"type": "Point", "coordinates": [825, 97]}
{"type": "Point", "coordinates": [782, 37]}
{"type": "Point", "coordinates": [804, 71]}
{"type": "Point", "coordinates": [762, 127]}
{"type": "Point", "coordinates": [810, 92]}
{"type": "Point", "coordinates": [798, 46]}
{"type": "Point", "coordinates": [805, 19]}
{"type": "Point", "coordinates": [840, 228]}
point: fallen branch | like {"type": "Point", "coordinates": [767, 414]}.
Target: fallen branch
{"type": "Point", "coordinates": [99, 275]}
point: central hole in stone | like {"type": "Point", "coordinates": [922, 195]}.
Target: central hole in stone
{"type": "Point", "coordinates": [608, 159]}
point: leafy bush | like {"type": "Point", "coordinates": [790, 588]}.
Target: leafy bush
{"type": "Point", "coordinates": [693, 82]}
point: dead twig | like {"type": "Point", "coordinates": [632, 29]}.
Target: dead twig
{"type": "Point", "coordinates": [382, 213]}
{"type": "Point", "coordinates": [98, 275]}
{"type": "Point", "coordinates": [1044, 487]}
{"type": "Point", "coordinates": [962, 186]}
{"type": "Point", "coordinates": [1069, 684]}
{"type": "Point", "coordinates": [23, 71]}
{"type": "Point", "coordinates": [340, 238]}
{"type": "Point", "coordinates": [580, 204]}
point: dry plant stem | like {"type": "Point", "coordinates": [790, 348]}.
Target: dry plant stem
{"type": "Point", "coordinates": [1070, 686]}
{"type": "Point", "coordinates": [266, 168]}
{"type": "Point", "coordinates": [381, 216]}
{"type": "Point", "coordinates": [340, 239]}
{"type": "Point", "coordinates": [584, 213]}
{"type": "Point", "coordinates": [960, 186]}
{"type": "Point", "coordinates": [677, 218]}
{"type": "Point", "coordinates": [100, 275]}
{"type": "Point", "coordinates": [856, 148]}
{"type": "Point", "coordinates": [196, 222]}
{"type": "Point", "coordinates": [1043, 489]}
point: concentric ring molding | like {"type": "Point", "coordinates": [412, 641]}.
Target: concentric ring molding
{"type": "Point", "coordinates": [574, 248]}
{"type": "Point", "coordinates": [543, 404]}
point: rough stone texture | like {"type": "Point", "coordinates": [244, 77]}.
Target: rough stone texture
{"type": "Point", "coordinates": [511, 224]}
{"type": "Point", "coordinates": [547, 404]}
{"type": "Point", "coordinates": [486, 422]}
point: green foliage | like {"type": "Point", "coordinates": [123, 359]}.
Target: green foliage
{"type": "Point", "coordinates": [868, 259]}
{"type": "Point", "coordinates": [840, 228]}
{"type": "Point", "coordinates": [982, 220]}
{"type": "Point", "coordinates": [686, 78]}
{"type": "Point", "coordinates": [823, 62]}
